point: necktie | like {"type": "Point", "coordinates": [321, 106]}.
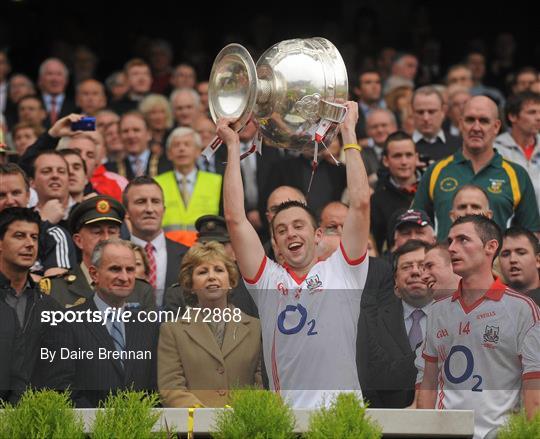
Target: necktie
{"type": "Point", "coordinates": [149, 248]}
{"type": "Point", "coordinates": [184, 190]}
{"type": "Point", "coordinates": [118, 338]}
{"type": "Point", "coordinates": [138, 167]}
{"type": "Point", "coordinates": [415, 333]}
{"type": "Point", "coordinates": [53, 114]}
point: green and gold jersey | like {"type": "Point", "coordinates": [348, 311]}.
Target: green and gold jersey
{"type": "Point", "coordinates": [509, 188]}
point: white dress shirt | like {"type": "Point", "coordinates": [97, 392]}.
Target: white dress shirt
{"type": "Point", "coordinates": [160, 254]}
{"type": "Point", "coordinates": [408, 310]}
{"type": "Point", "coordinates": [143, 156]}
{"type": "Point", "coordinates": [417, 136]}
{"type": "Point", "coordinates": [191, 179]}
{"type": "Point", "coordinates": [59, 101]}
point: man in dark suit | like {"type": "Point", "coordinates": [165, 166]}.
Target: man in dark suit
{"type": "Point", "coordinates": [398, 330]}
{"type": "Point", "coordinates": [112, 348]}
{"type": "Point", "coordinates": [136, 137]}
{"type": "Point", "coordinates": [52, 81]}
{"type": "Point", "coordinates": [143, 200]}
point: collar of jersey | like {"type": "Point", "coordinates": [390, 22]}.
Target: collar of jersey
{"type": "Point", "coordinates": [495, 292]}
{"type": "Point", "coordinates": [297, 278]}
{"type": "Point", "coordinates": [495, 161]}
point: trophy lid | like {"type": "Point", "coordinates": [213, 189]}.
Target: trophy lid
{"type": "Point", "coordinates": [232, 91]}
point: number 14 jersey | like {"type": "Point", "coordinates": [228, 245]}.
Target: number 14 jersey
{"type": "Point", "coordinates": [483, 351]}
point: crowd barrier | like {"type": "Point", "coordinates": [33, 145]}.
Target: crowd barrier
{"type": "Point", "coordinates": [394, 423]}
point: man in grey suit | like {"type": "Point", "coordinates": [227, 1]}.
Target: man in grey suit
{"type": "Point", "coordinates": [143, 200]}
{"type": "Point", "coordinates": [111, 347]}
{"type": "Point", "coordinates": [400, 327]}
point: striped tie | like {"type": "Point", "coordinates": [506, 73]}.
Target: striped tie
{"type": "Point", "coordinates": [149, 248]}
{"type": "Point", "coordinates": [118, 338]}
{"type": "Point", "coordinates": [53, 113]}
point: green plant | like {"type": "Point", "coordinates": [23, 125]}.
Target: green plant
{"type": "Point", "coordinates": [518, 427]}
{"type": "Point", "coordinates": [255, 414]}
{"type": "Point", "coordinates": [344, 418]}
{"type": "Point", "coordinates": [41, 414]}
{"type": "Point", "coordinates": [127, 414]}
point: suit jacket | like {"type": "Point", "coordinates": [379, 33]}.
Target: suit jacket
{"type": "Point", "coordinates": [391, 360]}
{"type": "Point", "coordinates": [175, 253]}
{"type": "Point", "coordinates": [378, 292]}
{"type": "Point", "coordinates": [193, 369]}
{"type": "Point", "coordinates": [68, 107]}
{"type": "Point", "coordinates": [155, 166]}
{"type": "Point", "coordinates": [91, 380]}
{"type": "Point", "coordinates": [72, 288]}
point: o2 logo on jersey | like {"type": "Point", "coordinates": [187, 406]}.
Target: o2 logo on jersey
{"type": "Point", "coordinates": [469, 367]}
{"type": "Point", "coordinates": [302, 312]}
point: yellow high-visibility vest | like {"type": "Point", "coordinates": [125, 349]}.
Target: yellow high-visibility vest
{"type": "Point", "coordinates": [204, 200]}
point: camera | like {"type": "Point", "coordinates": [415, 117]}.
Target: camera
{"type": "Point", "coordinates": [85, 124]}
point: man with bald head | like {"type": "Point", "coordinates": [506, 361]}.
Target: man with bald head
{"type": "Point", "coordinates": [508, 186]}
{"type": "Point", "coordinates": [90, 97]}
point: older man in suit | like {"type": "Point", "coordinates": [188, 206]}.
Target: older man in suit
{"type": "Point", "coordinates": [140, 160]}
{"type": "Point", "coordinates": [116, 351]}
{"type": "Point", "coordinates": [400, 327]}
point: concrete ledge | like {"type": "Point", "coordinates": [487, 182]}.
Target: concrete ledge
{"type": "Point", "coordinates": [395, 423]}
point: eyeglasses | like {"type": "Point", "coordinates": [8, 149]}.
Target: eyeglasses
{"type": "Point", "coordinates": [333, 230]}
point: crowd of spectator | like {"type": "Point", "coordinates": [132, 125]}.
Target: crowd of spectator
{"type": "Point", "coordinates": [128, 215]}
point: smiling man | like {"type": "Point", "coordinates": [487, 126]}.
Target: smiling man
{"type": "Point", "coordinates": [437, 271]}
{"type": "Point", "coordinates": [509, 187]}
{"type": "Point", "coordinates": [143, 200]}
{"type": "Point", "coordinates": [399, 328]}
{"type": "Point", "coordinates": [304, 303]}
{"type": "Point", "coordinates": [483, 342]}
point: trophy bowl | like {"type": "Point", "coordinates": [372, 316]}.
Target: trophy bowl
{"type": "Point", "coordinates": [293, 87]}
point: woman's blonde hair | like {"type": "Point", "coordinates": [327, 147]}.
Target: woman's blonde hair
{"type": "Point", "coordinates": [140, 250]}
{"type": "Point", "coordinates": [153, 100]}
{"type": "Point", "coordinates": [201, 253]}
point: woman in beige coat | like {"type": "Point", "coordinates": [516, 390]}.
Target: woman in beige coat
{"type": "Point", "coordinates": [214, 347]}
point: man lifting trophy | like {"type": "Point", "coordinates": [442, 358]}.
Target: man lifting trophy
{"type": "Point", "coordinates": [309, 309]}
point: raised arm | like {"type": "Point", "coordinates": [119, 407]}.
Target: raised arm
{"type": "Point", "coordinates": [244, 239]}
{"type": "Point", "coordinates": [356, 227]}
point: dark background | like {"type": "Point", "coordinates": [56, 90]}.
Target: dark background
{"type": "Point", "coordinates": [116, 31]}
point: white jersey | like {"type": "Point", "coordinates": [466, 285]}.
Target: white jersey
{"type": "Point", "coordinates": [483, 352]}
{"type": "Point", "coordinates": [309, 327]}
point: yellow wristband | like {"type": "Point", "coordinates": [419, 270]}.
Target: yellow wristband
{"type": "Point", "coordinates": [352, 146]}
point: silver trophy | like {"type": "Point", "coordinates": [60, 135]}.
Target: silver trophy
{"type": "Point", "coordinates": [295, 92]}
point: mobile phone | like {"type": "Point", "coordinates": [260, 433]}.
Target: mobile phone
{"type": "Point", "coordinates": [85, 124]}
